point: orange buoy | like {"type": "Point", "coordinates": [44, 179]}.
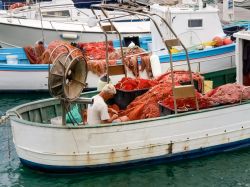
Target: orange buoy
{"type": "Point", "coordinates": [227, 41]}
{"type": "Point", "coordinates": [16, 5]}
{"type": "Point", "coordinates": [218, 41]}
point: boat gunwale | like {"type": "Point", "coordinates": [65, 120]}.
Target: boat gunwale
{"type": "Point", "coordinates": [13, 113]}
{"type": "Point", "coordinates": [175, 55]}
{"type": "Point", "coordinates": [71, 31]}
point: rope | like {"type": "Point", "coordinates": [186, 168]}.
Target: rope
{"type": "Point", "coordinates": [4, 119]}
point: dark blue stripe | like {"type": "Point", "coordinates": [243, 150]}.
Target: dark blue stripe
{"type": "Point", "coordinates": [156, 160]}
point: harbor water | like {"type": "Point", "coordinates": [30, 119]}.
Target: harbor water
{"type": "Point", "coordinates": [225, 169]}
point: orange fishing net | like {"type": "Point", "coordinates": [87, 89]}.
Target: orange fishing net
{"type": "Point", "coordinates": [181, 76]}
{"type": "Point", "coordinates": [146, 105]}
{"type": "Point", "coordinates": [40, 55]}
{"type": "Point", "coordinates": [128, 83]}
{"type": "Point", "coordinates": [146, 65]}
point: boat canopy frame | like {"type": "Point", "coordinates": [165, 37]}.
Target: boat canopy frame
{"type": "Point", "coordinates": [183, 91]}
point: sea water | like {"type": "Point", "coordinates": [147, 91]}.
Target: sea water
{"type": "Point", "coordinates": [230, 169]}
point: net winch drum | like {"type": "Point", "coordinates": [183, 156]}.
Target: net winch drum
{"type": "Point", "coordinates": [67, 76]}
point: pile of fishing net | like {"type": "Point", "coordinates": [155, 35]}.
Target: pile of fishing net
{"type": "Point", "coordinates": [229, 93]}
{"type": "Point", "coordinates": [160, 90]}
{"type": "Point", "coordinates": [40, 55]}
{"type": "Point", "coordinates": [129, 84]}
{"type": "Point", "coordinates": [96, 50]}
{"type": "Point", "coordinates": [187, 104]}
{"type": "Point", "coordinates": [96, 54]}
{"type": "Point", "coordinates": [181, 77]}
{"type": "Point", "coordinates": [36, 55]}
{"type": "Point", "coordinates": [147, 105]}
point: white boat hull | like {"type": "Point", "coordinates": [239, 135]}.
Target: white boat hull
{"type": "Point", "coordinates": [33, 80]}
{"type": "Point", "coordinates": [24, 80]}
{"type": "Point", "coordinates": [58, 148]}
{"type": "Point", "coordinates": [21, 32]}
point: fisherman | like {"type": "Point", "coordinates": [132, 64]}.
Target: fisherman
{"type": "Point", "coordinates": [97, 112]}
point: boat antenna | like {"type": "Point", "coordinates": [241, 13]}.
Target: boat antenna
{"type": "Point", "coordinates": [41, 20]}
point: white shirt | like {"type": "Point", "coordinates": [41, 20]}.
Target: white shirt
{"type": "Point", "coordinates": [97, 111]}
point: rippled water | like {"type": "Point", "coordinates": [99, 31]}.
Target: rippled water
{"type": "Point", "coordinates": [227, 169]}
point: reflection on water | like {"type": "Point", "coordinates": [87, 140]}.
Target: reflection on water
{"type": "Point", "coordinates": [227, 169]}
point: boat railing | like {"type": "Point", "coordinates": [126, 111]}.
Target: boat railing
{"type": "Point", "coordinates": [8, 44]}
{"type": "Point", "coordinates": [231, 56]}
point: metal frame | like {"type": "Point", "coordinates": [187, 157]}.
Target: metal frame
{"type": "Point", "coordinates": [168, 44]}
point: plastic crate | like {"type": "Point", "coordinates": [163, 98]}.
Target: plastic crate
{"type": "Point", "coordinates": [164, 110]}
{"type": "Point", "coordinates": [123, 98]}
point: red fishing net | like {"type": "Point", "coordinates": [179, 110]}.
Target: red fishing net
{"type": "Point", "coordinates": [59, 47]}
{"type": "Point", "coordinates": [146, 105]}
{"type": "Point", "coordinates": [40, 55]}
{"type": "Point", "coordinates": [128, 84]}
{"type": "Point", "coordinates": [96, 50]}
{"type": "Point", "coordinates": [181, 77]}
{"type": "Point", "coordinates": [186, 104]}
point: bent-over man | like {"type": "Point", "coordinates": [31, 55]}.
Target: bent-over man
{"type": "Point", "coordinates": [97, 112]}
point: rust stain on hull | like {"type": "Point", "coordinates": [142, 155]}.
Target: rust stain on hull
{"type": "Point", "coordinates": [170, 147]}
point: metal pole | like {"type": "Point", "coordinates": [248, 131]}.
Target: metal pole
{"type": "Point", "coordinates": [41, 22]}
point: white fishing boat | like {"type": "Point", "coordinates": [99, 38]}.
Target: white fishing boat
{"type": "Point", "coordinates": [242, 3]}
{"type": "Point", "coordinates": [205, 61]}
{"type": "Point", "coordinates": [61, 20]}
{"type": "Point", "coordinates": [62, 147]}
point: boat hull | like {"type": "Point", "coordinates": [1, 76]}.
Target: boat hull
{"type": "Point", "coordinates": [17, 77]}
{"type": "Point", "coordinates": [21, 32]}
{"type": "Point", "coordinates": [25, 80]}
{"type": "Point", "coordinates": [156, 160]}
{"type": "Point", "coordinates": [167, 138]}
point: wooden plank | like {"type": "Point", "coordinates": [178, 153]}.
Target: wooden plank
{"type": "Point", "coordinates": [172, 42]}
{"type": "Point", "coordinates": [116, 70]}
{"type": "Point", "coordinates": [107, 28]}
{"type": "Point", "coordinates": [184, 91]}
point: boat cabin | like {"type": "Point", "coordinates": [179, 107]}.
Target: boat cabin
{"type": "Point", "coordinates": [190, 23]}
{"type": "Point", "coordinates": [243, 57]}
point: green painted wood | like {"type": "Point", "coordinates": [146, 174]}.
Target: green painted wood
{"type": "Point", "coordinates": [221, 77]}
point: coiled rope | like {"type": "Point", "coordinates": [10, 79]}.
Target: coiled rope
{"type": "Point", "coordinates": [4, 119]}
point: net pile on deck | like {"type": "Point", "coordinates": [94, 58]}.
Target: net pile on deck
{"type": "Point", "coordinates": [40, 55]}
{"type": "Point", "coordinates": [96, 53]}
{"type": "Point", "coordinates": [96, 56]}
{"type": "Point", "coordinates": [229, 93]}
{"type": "Point", "coordinates": [181, 77]}
{"type": "Point", "coordinates": [146, 105]}
{"type": "Point", "coordinates": [36, 55]}
{"type": "Point", "coordinates": [129, 84]}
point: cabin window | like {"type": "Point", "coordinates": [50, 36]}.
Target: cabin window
{"type": "Point", "coordinates": [195, 23]}
{"type": "Point", "coordinates": [64, 13]}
